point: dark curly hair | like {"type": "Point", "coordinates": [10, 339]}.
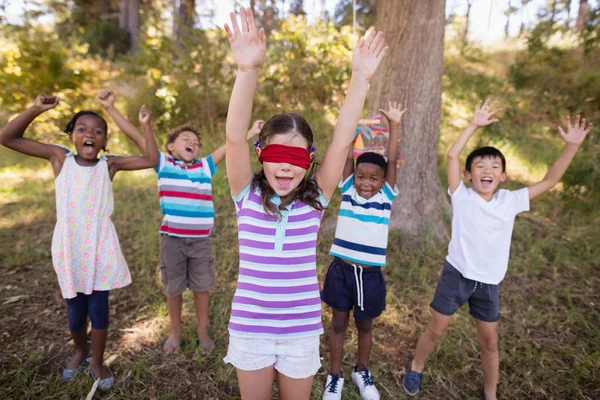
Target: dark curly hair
{"type": "Point", "coordinates": [172, 136]}
{"type": "Point", "coordinates": [71, 124]}
{"type": "Point", "coordinates": [307, 191]}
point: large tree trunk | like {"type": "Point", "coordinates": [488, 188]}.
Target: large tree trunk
{"type": "Point", "coordinates": [123, 18]}
{"type": "Point", "coordinates": [411, 73]}
{"type": "Point", "coordinates": [582, 15]}
{"type": "Point", "coordinates": [133, 25]}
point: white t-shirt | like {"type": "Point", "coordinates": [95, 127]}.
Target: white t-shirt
{"type": "Point", "coordinates": [481, 232]}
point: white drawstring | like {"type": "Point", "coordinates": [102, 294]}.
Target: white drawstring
{"type": "Point", "coordinates": [359, 286]}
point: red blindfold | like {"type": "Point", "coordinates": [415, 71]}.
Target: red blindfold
{"type": "Point", "coordinates": [279, 153]}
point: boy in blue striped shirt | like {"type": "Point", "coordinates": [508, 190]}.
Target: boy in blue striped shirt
{"type": "Point", "coordinates": [354, 279]}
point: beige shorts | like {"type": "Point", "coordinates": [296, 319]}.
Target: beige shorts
{"type": "Point", "coordinates": [186, 263]}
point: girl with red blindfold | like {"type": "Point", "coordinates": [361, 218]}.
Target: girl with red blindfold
{"type": "Point", "coordinates": [275, 320]}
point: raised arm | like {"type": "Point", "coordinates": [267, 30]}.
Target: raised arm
{"type": "Point", "coordinates": [106, 98]}
{"type": "Point", "coordinates": [365, 60]}
{"type": "Point", "coordinates": [574, 137]}
{"type": "Point", "coordinates": [394, 115]}
{"type": "Point", "coordinates": [248, 46]}
{"type": "Point", "coordinates": [150, 157]}
{"type": "Point", "coordinates": [481, 117]}
{"type": "Point", "coordinates": [11, 135]}
{"type": "Point", "coordinates": [219, 154]}
{"type": "Point", "coordinates": [349, 165]}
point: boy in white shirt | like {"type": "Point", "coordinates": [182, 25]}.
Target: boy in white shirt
{"type": "Point", "coordinates": [478, 252]}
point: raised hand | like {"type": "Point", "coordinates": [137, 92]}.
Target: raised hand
{"type": "Point", "coordinates": [106, 98]}
{"type": "Point", "coordinates": [394, 112]}
{"type": "Point", "coordinates": [45, 102]}
{"type": "Point", "coordinates": [576, 132]}
{"type": "Point", "coordinates": [248, 45]}
{"type": "Point", "coordinates": [368, 54]}
{"type": "Point", "coordinates": [145, 115]}
{"type": "Point", "coordinates": [483, 113]}
{"type": "Point", "coordinates": [255, 130]}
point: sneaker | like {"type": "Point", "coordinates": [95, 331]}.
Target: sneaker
{"type": "Point", "coordinates": [333, 388]}
{"type": "Point", "coordinates": [365, 384]}
{"type": "Point", "coordinates": [411, 381]}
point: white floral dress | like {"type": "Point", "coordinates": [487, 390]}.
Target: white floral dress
{"type": "Point", "coordinates": [85, 248]}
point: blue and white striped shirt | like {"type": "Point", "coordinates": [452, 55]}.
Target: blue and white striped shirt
{"type": "Point", "coordinates": [361, 234]}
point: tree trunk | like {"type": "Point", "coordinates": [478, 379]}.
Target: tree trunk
{"type": "Point", "coordinates": [582, 15]}
{"type": "Point", "coordinates": [467, 17]}
{"type": "Point", "coordinates": [411, 73]}
{"type": "Point", "coordinates": [133, 25]}
{"type": "Point", "coordinates": [123, 14]}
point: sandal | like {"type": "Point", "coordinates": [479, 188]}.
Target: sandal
{"type": "Point", "coordinates": [206, 348]}
{"type": "Point", "coordinates": [68, 374]}
{"type": "Point", "coordinates": [106, 383]}
{"type": "Point", "coordinates": [170, 348]}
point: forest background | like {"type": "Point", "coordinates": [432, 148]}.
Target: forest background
{"type": "Point", "coordinates": [170, 56]}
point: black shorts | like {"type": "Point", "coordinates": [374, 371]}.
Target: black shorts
{"type": "Point", "coordinates": [342, 289]}
{"type": "Point", "coordinates": [454, 290]}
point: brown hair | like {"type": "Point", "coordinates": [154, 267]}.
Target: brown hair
{"type": "Point", "coordinates": [307, 191]}
{"type": "Point", "coordinates": [172, 136]}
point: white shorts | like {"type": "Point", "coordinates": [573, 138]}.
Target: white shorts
{"type": "Point", "coordinates": [295, 358]}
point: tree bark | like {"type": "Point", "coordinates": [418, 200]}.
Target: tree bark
{"type": "Point", "coordinates": [582, 15]}
{"type": "Point", "coordinates": [123, 19]}
{"type": "Point", "coordinates": [133, 25]}
{"type": "Point", "coordinates": [411, 73]}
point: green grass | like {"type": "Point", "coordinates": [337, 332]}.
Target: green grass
{"type": "Point", "coordinates": [550, 305]}
{"type": "Point", "coordinates": [548, 334]}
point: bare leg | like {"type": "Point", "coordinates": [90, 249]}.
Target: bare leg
{"type": "Point", "coordinates": [174, 309]}
{"type": "Point", "coordinates": [487, 334]}
{"type": "Point", "coordinates": [339, 324]}
{"type": "Point", "coordinates": [98, 345]}
{"type": "Point", "coordinates": [201, 303]}
{"type": "Point", "coordinates": [365, 339]}
{"type": "Point", "coordinates": [256, 385]}
{"type": "Point", "coordinates": [294, 389]}
{"type": "Point", "coordinates": [81, 347]}
{"type": "Point", "coordinates": [435, 332]}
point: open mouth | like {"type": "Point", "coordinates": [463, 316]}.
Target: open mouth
{"type": "Point", "coordinates": [189, 149]}
{"type": "Point", "coordinates": [88, 146]}
{"type": "Point", "coordinates": [487, 181]}
{"type": "Point", "coordinates": [283, 183]}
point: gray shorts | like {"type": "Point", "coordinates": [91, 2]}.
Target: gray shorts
{"type": "Point", "coordinates": [186, 263]}
{"type": "Point", "coordinates": [454, 290]}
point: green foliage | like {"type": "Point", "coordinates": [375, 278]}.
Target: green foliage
{"type": "Point", "coordinates": [105, 38]}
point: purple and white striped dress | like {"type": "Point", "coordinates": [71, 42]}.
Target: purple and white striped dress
{"type": "Point", "coordinates": [277, 294]}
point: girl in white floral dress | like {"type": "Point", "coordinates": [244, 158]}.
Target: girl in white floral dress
{"type": "Point", "coordinates": [86, 253]}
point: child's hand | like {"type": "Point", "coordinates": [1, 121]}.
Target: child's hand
{"type": "Point", "coordinates": [255, 130]}
{"type": "Point", "coordinates": [483, 113]}
{"type": "Point", "coordinates": [145, 115]}
{"type": "Point", "coordinates": [394, 112]}
{"type": "Point", "coordinates": [368, 54]}
{"type": "Point", "coordinates": [45, 102]}
{"type": "Point", "coordinates": [576, 133]}
{"type": "Point", "coordinates": [247, 46]}
{"type": "Point", "coordinates": [106, 98]}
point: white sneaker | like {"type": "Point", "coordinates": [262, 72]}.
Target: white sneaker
{"type": "Point", "coordinates": [333, 388]}
{"type": "Point", "coordinates": [365, 384]}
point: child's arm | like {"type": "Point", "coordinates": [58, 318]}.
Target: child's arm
{"type": "Point", "coordinates": [349, 165]}
{"type": "Point", "coordinates": [106, 98]}
{"type": "Point", "coordinates": [394, 115]}
{"type": "Point", "coordinates": [11, 135]}
{"type": "Point", "coordinates": [248, 46]}
{"type": "Point", "coordinates": [219, 154]}
{"type": "Point", "coordinates": [481, 117]}
{"type": "Point", "coordinates": [365, 60]}
{"type": "Point", "coordinates": [574, 137]}
{"type": "Point", "coordinates": [150, 157]}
